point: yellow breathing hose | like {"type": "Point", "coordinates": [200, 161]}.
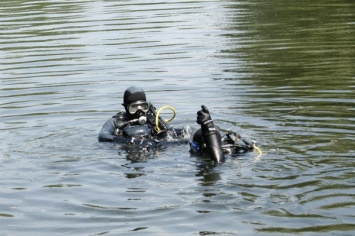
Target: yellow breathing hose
{"type": "Point", "coordinates": [259, 151]}
{"type": "Point", "coordinates": [168, 120]}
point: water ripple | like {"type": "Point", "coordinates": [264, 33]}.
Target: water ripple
{"type": "Point", "coordinates": [283, 76]}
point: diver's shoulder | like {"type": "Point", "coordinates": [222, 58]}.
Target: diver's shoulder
{"type": "Point", "coordinates": [121, 115]}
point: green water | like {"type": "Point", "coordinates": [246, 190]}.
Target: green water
{"type": "Point", "coordinates": [278, 72]}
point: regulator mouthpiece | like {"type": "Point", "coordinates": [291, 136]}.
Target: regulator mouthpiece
{"type": "Point", "coordinates": [142, 120]}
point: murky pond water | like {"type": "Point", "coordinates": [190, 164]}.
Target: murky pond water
{"type": "Point", "coordinates": [279, 72]}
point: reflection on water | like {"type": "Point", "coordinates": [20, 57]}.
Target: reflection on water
{"type": "Point", "coordinates": [279, 72]}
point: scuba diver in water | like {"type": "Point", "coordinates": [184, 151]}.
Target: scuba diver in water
{"type": "Point", "coordinates": [208, 141]}
{"type": "Point", "coordinates": [142, 126]}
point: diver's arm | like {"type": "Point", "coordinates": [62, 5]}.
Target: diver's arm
{"type": "Point", "coordinates": [210, 135]}
{"type": "Point", "coordinates": [106, 133]}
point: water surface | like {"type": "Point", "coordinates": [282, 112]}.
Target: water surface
{"type": "Point", "coordinates": [279, 72]}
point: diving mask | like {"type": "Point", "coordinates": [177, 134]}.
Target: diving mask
{"type": "Point", "coordinates": [140, 105]}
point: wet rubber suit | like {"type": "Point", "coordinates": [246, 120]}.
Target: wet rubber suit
{"type": "Point", "coordinates": [137, 125]}
{"type": "Point", "coordinates": [208, 140]}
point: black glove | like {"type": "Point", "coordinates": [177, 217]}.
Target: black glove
{"type": "Point", "coordinates": [205, 120]}
{"type": "Point", "coordinates": [203, 116]}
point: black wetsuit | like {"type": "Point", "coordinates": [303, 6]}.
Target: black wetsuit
{"type": "Point", "coordinates": [109, 131]}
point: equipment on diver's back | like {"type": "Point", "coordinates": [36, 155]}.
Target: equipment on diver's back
{"type": "Point", "coordinates": [233, 143]}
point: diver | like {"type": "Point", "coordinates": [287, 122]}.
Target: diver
{"type": "Point", "coordinates": [140, 124]}
{"type": "Point", "coordinates": [141, 127]}
{"type": "Point", "coordinates": [208, 141]}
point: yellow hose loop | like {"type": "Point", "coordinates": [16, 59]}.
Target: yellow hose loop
{"type": "Point", "coordinates": [259, 151]}
{"type": "Point", "coordinates": [168, 120]}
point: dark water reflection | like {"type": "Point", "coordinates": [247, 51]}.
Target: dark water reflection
{"type": "Point", "coordinates": [279, 72]}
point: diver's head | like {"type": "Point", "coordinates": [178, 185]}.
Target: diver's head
{"type": "Point", "coordinates": [135, 103]}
